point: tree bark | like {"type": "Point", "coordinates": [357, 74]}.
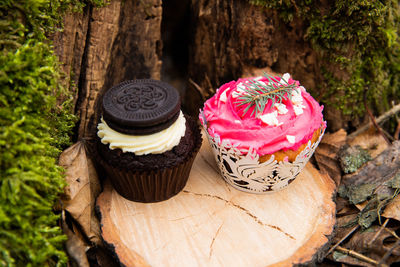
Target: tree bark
{"type": "Point", "coordinates": [69, 46]}
{"type": "Point", "coordinates": [101, 47]}
{"type": "Point", "coordinates": [232, 39]}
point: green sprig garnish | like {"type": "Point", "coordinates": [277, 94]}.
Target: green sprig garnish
{"type": "Point", "coordinates": [258, 94]}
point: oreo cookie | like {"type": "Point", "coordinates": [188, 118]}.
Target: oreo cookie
{"type": "Point", "coordinates": [141, 107]}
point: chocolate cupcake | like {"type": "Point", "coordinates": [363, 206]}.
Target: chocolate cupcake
{"type": "Point", "coordinates": [146, 144]}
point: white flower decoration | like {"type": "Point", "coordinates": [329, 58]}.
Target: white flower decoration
{"type": "Point", "coordinates": [223, 97]}
{"type": "Point", "coordinates": [298, 109]}
{"type": "Point", "coordinates": [281, 108]}
{"type": "Point", "coordinates": [291, 139]}
{"type": "Point", "coordinates": [285, 79]}
{"type": "Point", "coordinates": [271, 119]}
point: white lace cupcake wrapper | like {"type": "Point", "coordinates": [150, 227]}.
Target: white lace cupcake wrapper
{"type": "Point", "coordinates": [244, 172]}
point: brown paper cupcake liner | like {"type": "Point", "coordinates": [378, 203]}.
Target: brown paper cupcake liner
{"type": "Point", "coordinates": [154, 185]}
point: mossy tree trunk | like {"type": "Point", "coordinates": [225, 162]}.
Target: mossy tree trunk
{"type": "Point", "coordinates": [104, 46]}
{"type": "Point", "coordinates": [226, 40]}
{"type": "Point", "coordinates": [234, 39]}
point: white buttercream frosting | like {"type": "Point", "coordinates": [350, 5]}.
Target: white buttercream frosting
{"type": "Point", "coordinates": [155, 143]}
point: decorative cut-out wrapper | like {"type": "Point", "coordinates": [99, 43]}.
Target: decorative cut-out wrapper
{"type": "Point", "coordinates": [247, 169]}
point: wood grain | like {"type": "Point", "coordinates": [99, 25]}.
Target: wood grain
{"type": "Point", "coordinates": [212, 224]}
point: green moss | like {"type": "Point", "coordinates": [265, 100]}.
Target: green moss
{"type": "Point", "coordinates": [34, 128]}
{"type": "Point", "coordinates": [352, 158]}
{"type": "Point", "coordinates": [377, 195]}
{"type": "Point", "coordinates": [30, 179]}
{"type": "Point", "coordinates": [357, 194]}
{"type": "Point", "coordinates": [395, 182]}
{"type": "Point", "coordinates": [360, 37]}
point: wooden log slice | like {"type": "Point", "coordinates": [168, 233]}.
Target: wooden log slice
{"type": "Point", "coordinates": [210, 223]}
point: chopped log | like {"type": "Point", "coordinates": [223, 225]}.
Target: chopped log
{"type": "Point", "coordinates": [210, 223]}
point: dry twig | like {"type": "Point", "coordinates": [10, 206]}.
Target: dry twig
{"type": "Point", "coordinates": [371, 116]}
{"type": "Point", "coordinates": [393, 233]}
{"type": "Point", "coordinates": [394, 110]}
{"type": "Point", "coordinates": [342, 239]}
{"type": "Point", "coordinates": [378, 232]}
{"type": "Point", "coordinates": [199, 89]}
{"type": "Point", "coordinates": [397, 132]}
{"type": "Point", "coordinates": [359, 256]}
{"type": "Point", "coordinates": [389, 252]}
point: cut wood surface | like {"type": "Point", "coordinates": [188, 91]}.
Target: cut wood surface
{"type": "Point", "coordinates": [210, 223]}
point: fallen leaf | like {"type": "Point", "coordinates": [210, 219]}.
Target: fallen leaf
{"type": "Point", "coordinates": [371, 141]}
{"type": "Point", "coordinates": [343, 207]}
{"type": "Point", "coordinates": [357, 193]}
{"type": "Point", "coordinates": [372, 244]}
{"type": "Point", "coordinates": [326, 154]}
{"type": "Point", "coordinates": [361, 205]}
{"type": "Point", "coordinates": [376, 182]}
{"type": "Point", "coordinates": [360, 241]}
{"type": "Point", "coordinates": [345, 259]}
{"type": "Point", "coordinates": [82, 190]}
{"type": "Point", "coordinates": [381, 243]}
{"type": "Point", "coordinates": [395, 182]}
{"type": "Point", "coordinates": [75, 247]}
{"type": "Point", "coordinates": [392, 210]}
{"type": "Point", "coordinates": [369, 210]}
{"type": "Point", "coordinates": [344, 226]}
{"type": "Point", "coordinates": [381, 169]}
{"type": "Point", "coordinates": [367, 218]}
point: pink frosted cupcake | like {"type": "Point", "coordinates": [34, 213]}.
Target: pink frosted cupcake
{"type": "Point", "coordinates": [263, 131]}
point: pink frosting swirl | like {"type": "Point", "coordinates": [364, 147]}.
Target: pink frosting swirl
{"type": "Point", "coordinates": [294, 124]}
